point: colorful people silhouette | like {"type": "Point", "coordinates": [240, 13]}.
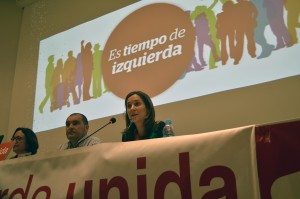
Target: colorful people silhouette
{"type": "Point", "coordinates": [194, 65]}
{"type": "Point", "coordinates": [69, 73]}
{"type": "Point", "coordinates": [205, 20]}
{"type": "Point", "coordinates": [87, 68]}
{"type": "Point", "coordinates": [58, 88]}
{"type": "Point", "coordinates": [48, 83]}
{"type": "Point", "coordinates": [259, 33]}
{"type": "Point", "coordinates": [293, 13]}
{"type": "Point", "coordinates": [226, 30]}
{"type": "Point", "coordinates": [78, 82]}
{"type": "Point", "coordinates": [275, 14]}
{"type": "Point", "coordinates": [97, 74]}
{"type": "Point", "coordinates": [246, 14]}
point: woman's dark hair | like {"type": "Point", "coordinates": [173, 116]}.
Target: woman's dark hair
{"type": "Point", "coordinates": [150, 120]}
{"type": "Point", "coordinates": [31, 139]}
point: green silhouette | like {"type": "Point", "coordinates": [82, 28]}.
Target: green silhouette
{"type": "Point", "coordinates": [207, 34]}
{"type": "Point", "coordinates": [48, 83]}
{"type": "Point", "coordinates": [97, 72]}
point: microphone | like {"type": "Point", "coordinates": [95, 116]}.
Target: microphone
{"type": "Point", "coordinates": [111, 121]}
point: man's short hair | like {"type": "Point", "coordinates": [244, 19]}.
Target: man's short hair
{"type": "Point", "coordinates": [84, 119]}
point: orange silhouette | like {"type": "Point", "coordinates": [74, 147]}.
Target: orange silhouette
{"type": "Point", "coordinates": [246, 14]}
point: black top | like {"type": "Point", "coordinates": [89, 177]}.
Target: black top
{"type": "Point", "coordinates": [1, 138]}
{"type": "Point", "coordinates": [129, 135]}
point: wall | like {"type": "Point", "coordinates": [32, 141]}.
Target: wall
{"type": "Point", "coordinates": [10, 23]}
{"type": "Point", "coordinates": [265, 103]}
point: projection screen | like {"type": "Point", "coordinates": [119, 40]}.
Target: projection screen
{"type": "Point", "coordinates": [173, 50]}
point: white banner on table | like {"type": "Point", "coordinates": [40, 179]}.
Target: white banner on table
{"type": "Point", "coordinates": [219, 164]}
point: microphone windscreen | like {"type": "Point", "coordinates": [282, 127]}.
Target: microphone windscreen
{"type": "Point", "coordinates": [112, 120]}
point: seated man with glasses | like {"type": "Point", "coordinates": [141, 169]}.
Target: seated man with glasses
{"type": "Point", "coordinates": [26, 142]}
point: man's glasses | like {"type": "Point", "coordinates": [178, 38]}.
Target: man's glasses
{"type": "Point", "coordinates": [17, 138]}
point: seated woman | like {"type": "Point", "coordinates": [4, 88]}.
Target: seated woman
{"type": "Point", "coordinates": [140, 118]}
{"type": "Point", "coordinates": [26, 142]}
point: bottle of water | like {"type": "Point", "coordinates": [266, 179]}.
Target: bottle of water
{"type": "Point", "coordinates": [168, 129]}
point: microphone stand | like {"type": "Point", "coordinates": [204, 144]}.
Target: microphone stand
{"type": "Point", "coordinates": [80, 141]}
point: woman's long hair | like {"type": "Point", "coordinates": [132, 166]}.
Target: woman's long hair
{"type": "Point", "coordinates": [149, 121]}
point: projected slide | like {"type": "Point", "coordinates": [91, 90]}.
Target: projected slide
{"type": "Point", "coordinates": [173, 50]}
